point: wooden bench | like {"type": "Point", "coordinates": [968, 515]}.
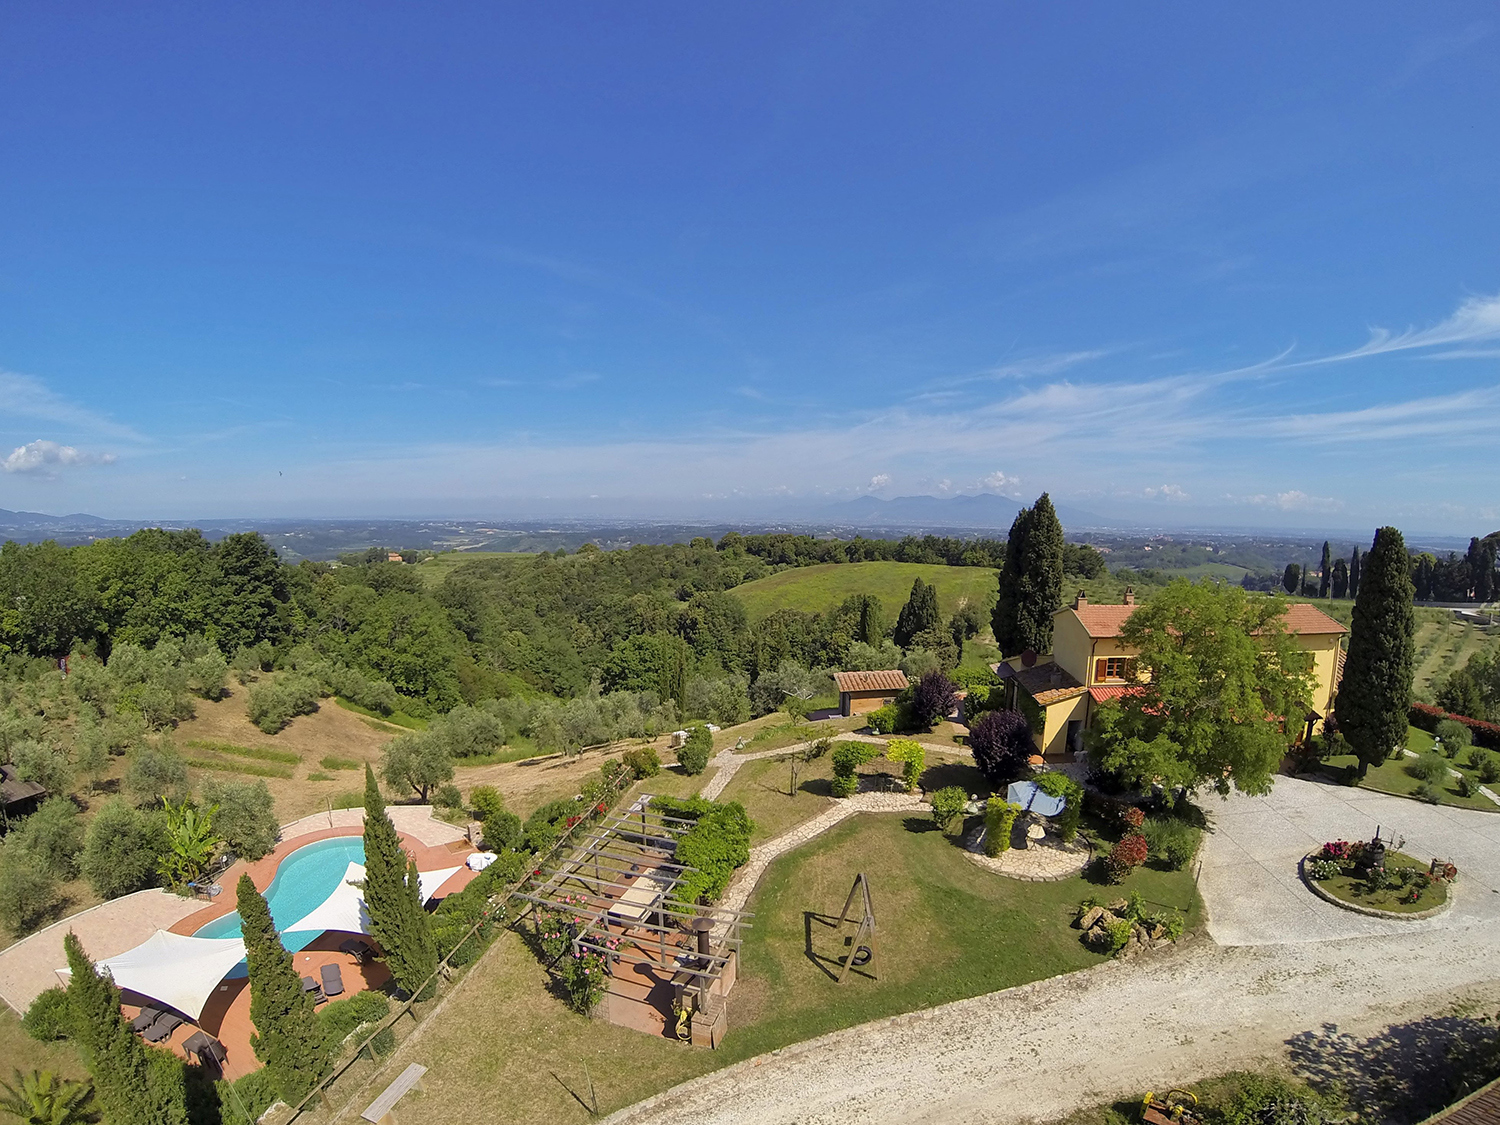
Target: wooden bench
{"type": "Point", "coordinates": [382, 1109]}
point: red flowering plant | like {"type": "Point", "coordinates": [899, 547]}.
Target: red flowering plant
{"type": "Point", "coordinates": [1125, 856]}
{"type": "Point", "coordinates": [558, 925]}
{"type": "Point", "coordinates": [1132, 817]}
{"type": "Point", "coordinates": [1340, 851]}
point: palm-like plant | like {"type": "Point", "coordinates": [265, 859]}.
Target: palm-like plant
{"type": "Point", "coordinates": [191, 842]}
{"type": "Point", "coordinates": [41, 1098]}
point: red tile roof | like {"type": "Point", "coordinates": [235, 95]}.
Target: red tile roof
{"type": "Point", "coordinates": [1102, 693]}
{"type": "Point", "coordinates": [1037, 683]}
{"type": "Point", "coordinates": [1107, 620]}
{"type": "Point", "coordinates": [870, 681]}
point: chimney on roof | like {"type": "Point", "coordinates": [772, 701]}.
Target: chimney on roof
{"type": "Point", "coordinates": [1130, 595]}
{"type": "Point", "coordinates": [1081, 600]}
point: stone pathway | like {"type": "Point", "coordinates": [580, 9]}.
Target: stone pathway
{"type": "Point", "coordinates": [762, 854]}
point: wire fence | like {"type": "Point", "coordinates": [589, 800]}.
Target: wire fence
{"type": "Point", "coordinates": [317, 1098]}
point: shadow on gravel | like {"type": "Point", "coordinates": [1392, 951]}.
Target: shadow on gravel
{"type": "Point", "coordinates": [1407, 1072]}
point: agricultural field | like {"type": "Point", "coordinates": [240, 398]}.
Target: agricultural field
{"type": "Point", "coordinates": [435, 569]}
{"type": "Point", "coordinates": [818, 589]}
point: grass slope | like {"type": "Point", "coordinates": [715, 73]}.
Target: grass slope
{"type": "Point", "coordinates": [948, 930]}
{"type": "Point", "coordinates": [818, 589]}
{"type": "Point", "coordinates": [435, 569]}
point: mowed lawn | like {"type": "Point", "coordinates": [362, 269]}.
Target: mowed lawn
{"type": "Point", "coordinates": [818, 589]}
{"type": "Point", "coordinates": [504, 1049]}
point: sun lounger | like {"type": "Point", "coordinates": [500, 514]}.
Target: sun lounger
{"type": "Point", "coordinates": [333, 980]}
{"type": "Point", "coordinates": [356, 948]}
{"type": "Point", "coordinates": [147, 1017]}
{"type": "Point", "coordinates": [310, 985]}
{"type": "Point", "coordinates": [162, 1028]}
{"type": "Point", "coordinates": [206, 1047]}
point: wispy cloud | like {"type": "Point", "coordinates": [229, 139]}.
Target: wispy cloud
{"type": "Point", "coordinates": [1477, 321]}
{"type": "Point", "coordinates": [25, 396]}
{"type": "Point", "coordinates": [45, 458]}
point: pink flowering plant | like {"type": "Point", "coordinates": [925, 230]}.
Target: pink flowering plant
{"type": "Point", "coordinates": [583, 979]}
{"type": "Point", "coordinates": [558, 925]}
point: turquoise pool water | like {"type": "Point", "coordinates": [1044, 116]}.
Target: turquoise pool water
{"type": "Point", "coordinates": [305, 878]}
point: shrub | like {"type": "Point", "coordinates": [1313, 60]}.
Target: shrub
{"type": "Point", "coordinates": [912, 757]}
{"type": "Point", "coordinates": [546, 824]}
{"type": "Point", "coordinates": [847, 758]}
{"type": "Point", "coordinates": [1430, 792]}
{"type": "Point", "coordinates": [1119, 932]}
{"type": "Point", "coordinates": [1002, 745]}
{"type": "Point", "coordinates": [1431, 766]}
{"type": "Point", "coordinates": [383, 1042]}
{"type": "Point", "coordinates": [1132, 817]}
{"type": "Point", "coordinates": [583, 980]}
{"type": "Point", "coordinates": [156, 770]}
{"type": "Point", "coordinates": [1321, 869]}
{"type": "Point", "coordinates": [273, 705]}
{"type": "Point", "coordinates": [999, 819]}
{"type": "Point", "coordinates": [1272, 1100]}
{"type": "Point", "coordinates": [1489, 768]}
{"type": "Point", "coordinates": [447, 796]}
{"type": "Point", "coordinates": [717, 843]}
{"type": "Point", "coordinates": [121, 849]}
{"type": "Point", "coordinates": [1454, 736]}
{"type": "Point", "coordinates": [246, 819]}
{"type": "Point", "coordinates": [1467, 786]}
{"type": "Point", "coordinates": [52, 836]}
{"type": "Point", "coordinates": [47, 1018]}
{"type": "Point", "coordinates": [1171, 841]}
{"type": "Point", "coordinates": [694, 755]}
{"type": "Point", "coordinates": [28, 891]}
{"type": "Point", "coordinates": [642, 762]}
{"type": "Point", "coordinates": [502, 830]}
{"type": "Point", "coordinates": [486, 801]}
{"type": "Point", "coordinates": [948, 808]}
{"type": "Point", "coordinates": [342, 1017]}
{"type": "Point", "coordinates": [1125, 856]}
{"type": "Point", "coordinates": [883, 719]}
{"type": "Point", "coordinates": [933, 699]}
{"type": "Point", "coordinates": [1059, 784]}
{"type": "Point", "coordinates": [253, 1094]}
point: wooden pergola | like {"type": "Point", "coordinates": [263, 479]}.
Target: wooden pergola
{"type": "Point", "coordinates": [620, 881]}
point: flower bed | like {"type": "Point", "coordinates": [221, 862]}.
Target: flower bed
{"type": "Point", "coordinates": [1399, 886]}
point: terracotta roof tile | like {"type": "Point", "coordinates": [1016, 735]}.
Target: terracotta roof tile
{"type": "Point", "coordinates": [1102, 693]}
{"type": "Point", "coordinates": [1107, 620]}
{"type": "Point", "coordinates": [1037, 683]}
{"type": "Point", "coordinates": [870, 681]}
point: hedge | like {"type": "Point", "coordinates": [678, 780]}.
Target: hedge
{"type": "Point", "coordinates": [718, 842]}
{"type": "Point", "coordinates": [1427, 717]}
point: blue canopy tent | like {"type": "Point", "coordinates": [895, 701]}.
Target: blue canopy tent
{"type": "Point", "coordinates": [1031, 799]}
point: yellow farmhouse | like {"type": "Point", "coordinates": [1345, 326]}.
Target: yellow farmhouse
{"type": "Point", "coordinates": [1089, 665]}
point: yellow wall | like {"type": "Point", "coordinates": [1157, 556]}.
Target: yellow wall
{"type": "Point", "coordinates": [1071, 645]}
{"type": "Point", "coordinates": [1054, 736]}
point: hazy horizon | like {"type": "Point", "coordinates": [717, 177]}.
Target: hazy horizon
{"type": "Point", "coordinates": [1208, 270]}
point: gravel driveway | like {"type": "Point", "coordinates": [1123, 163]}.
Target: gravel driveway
{"type": "Point", "coordinates": [1287, 967]}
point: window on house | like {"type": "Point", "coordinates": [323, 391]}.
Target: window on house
{"type": "Point", "coordinates": [1114, 668]}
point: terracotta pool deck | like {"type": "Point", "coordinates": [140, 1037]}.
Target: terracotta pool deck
{"type": "Point", "coordinates": [30, 966]}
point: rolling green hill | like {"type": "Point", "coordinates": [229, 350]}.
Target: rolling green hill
{"type": "Point", "coordinates": [821, 588]}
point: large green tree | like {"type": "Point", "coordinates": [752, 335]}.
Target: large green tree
{"type": "Point", "coordinates": [1340, 578]}
{"type": "Point", "coordinates": [1030, 583]}
{"type": "Point", "coordinates": [1291, 578]}
{"type": "Point", "coordinates": [393, 897]}
{"type": "Point", "coordinates": [1226, 692]}
{"type": "Point", "coordinates": [130, 1088]}
{"type": "Point", "coordinates": [919, 614]}
{"type": "Point", "coordinates": [1375, 692]}
{"type": "Point", "coordinates": [288, 1037]}
{"type": "Point", "coordinates": [1354, 564]}
{"type": "Point", "coordinates": [1325, 571]}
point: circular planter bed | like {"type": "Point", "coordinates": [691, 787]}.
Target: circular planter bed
{"type": "Point", "coordinates": [1354, 892]}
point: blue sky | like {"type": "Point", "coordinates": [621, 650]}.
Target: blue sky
{"type": "Point", "coordinates": [1174, 264]}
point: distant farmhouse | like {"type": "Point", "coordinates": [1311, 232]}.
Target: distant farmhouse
{"type": "Point", "coordinates": [1089, 666]}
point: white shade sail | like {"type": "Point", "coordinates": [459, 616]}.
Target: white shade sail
{"type": "Point", "coordinates": [180, 972]}
{"type": "Point", "coordinates": [344, 909]}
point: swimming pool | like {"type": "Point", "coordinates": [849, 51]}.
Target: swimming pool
{"type": "Point", "coordinates": [305, 878]}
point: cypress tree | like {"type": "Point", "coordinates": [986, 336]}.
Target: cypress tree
{"type": "Point", "coordinates": [1354, 561]}
{"type": "Point", "coordinates": [404, 934]}
{"type": "Point", "coordinates": [919, 614]}
{"type": "Point", "coordinates": [1340, 578]}
{"type": "Point", "coordinates": [1291, 578]}
{"type": "Point", "coordinates": [288, 1037]}
{"type": "Point", "coordinates": [871, 620]}
{"type": "Point", "coordinates": [1030, 583]}
{"type": "Point", "coordinates": [1326, 577]}
{"type": "Point", "coordinates": [672, 679]}
{"type": "Point", "coordinates": [130, 1090]}
{"type": "Point", "coordinates": [1375, 694]}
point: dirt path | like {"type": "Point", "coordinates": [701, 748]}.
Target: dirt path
{"type": "Point", "coordinates": [1044, 1050]}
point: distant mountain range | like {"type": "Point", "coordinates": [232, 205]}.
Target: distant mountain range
{"type": "Point", "coordinates": [985, 511]}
